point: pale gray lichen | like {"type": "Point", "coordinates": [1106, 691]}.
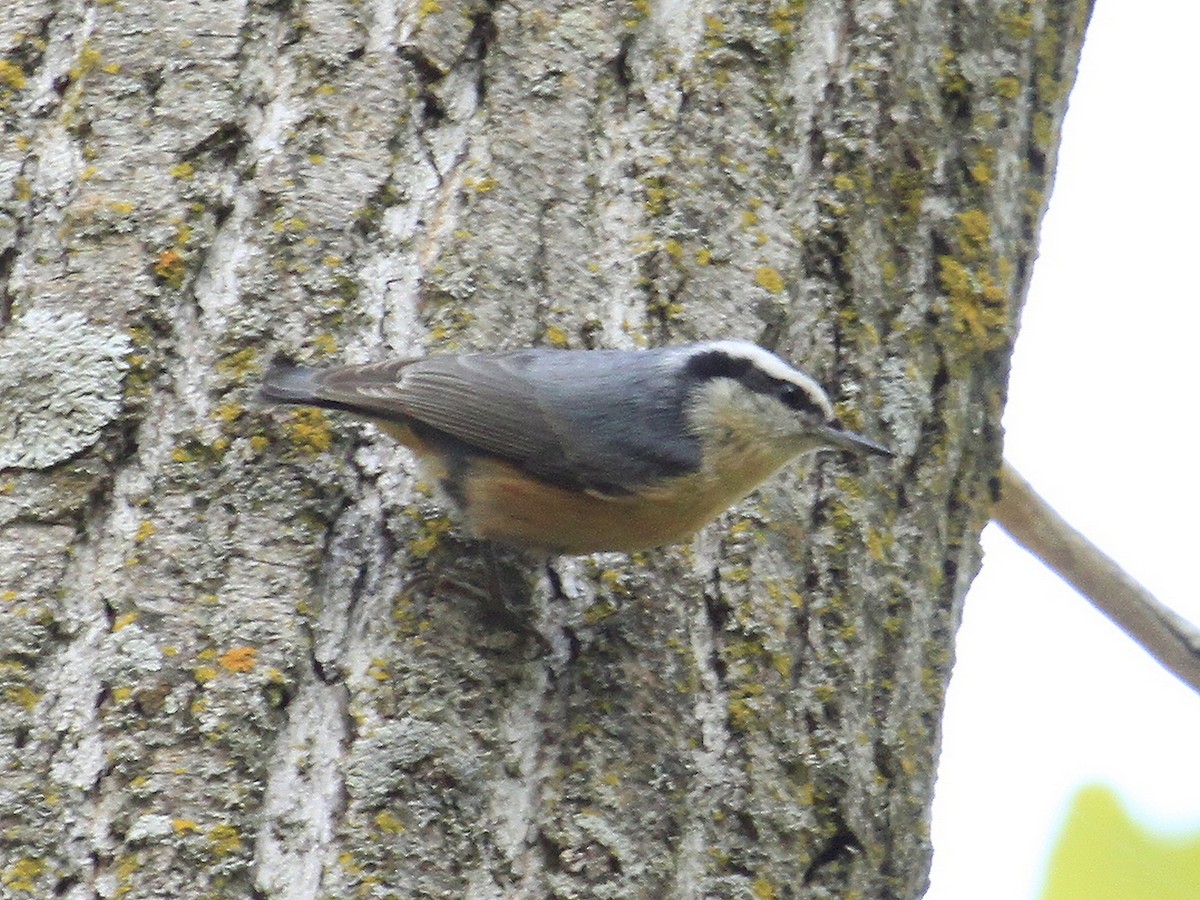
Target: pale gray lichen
{"type": "Point", "coordinates": [60, 384]}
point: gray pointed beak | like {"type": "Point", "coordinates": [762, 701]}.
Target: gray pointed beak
{"type": "Point", "coordinates": [840, 438]}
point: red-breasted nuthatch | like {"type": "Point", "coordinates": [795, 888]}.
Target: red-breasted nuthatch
{"type": "Point", "coordinates": [577, 451]}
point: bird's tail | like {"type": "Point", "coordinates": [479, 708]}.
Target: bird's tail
{"type": "Point", "coordinates": [290, 384]}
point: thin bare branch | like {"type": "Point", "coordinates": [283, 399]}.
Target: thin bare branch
{"type": "Point", "coordinates": [1032, 523]}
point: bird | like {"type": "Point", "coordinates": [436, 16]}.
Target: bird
{"type": "Point", "coordinates": [570, 452]}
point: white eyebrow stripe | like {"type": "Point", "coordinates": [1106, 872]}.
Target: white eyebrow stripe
{"type": "Point", "coordinates": [773, 366]}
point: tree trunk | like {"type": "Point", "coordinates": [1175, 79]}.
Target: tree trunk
{"type": "Point", "coordinates": [243, 651]}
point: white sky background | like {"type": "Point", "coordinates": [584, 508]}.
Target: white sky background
{"type": "Point", "coordinates": [1104, 420]}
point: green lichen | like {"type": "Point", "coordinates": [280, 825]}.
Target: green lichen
{"type": "Point", "coordinates": [744, 713]}
{"type": "Point", "coordinates": [1007, 87]}
{"type": "Point", "coordinates": [908, 191]}
{"type": "Point", "coordinates": [950, 77]}
{"type": "Point", "coordinates": [599, 612]}
{"type": "Point", "coordinates": [785, 17]}
{"type": "Point", "coordinates": [1016, 21]}
{"type": "Point", "coordinates": [23, 696]}
{"type": "Point", "coordinates": [658, 195]}
{"type": "Point", "coordinates": [433, 529]}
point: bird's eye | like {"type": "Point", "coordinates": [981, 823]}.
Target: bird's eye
{"type": "Point", "coordinates": [795, 397]}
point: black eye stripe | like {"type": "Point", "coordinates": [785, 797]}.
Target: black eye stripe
{"type": "Point", "coordinates": [718, 364]}
{"type": "Point", "coordinates": [797, 398]}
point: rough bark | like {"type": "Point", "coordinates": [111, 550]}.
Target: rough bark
{"type": "Point", "coordinates": [244, 653]}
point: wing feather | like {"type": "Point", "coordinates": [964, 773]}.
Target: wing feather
{"type": "Point", "coordinates": [551, 413]}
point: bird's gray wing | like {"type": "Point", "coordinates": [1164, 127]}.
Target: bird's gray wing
{"type": "Point", "coordinates": [559, 415]}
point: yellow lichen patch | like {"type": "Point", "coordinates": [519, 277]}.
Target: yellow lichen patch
{"type": "Point", "coordinates": [1007, 87]}
{"type": "Point", "coordinates": [170, 268]}
{"type": "Point", "coordinates": [878, 543]}
{"type": "Point", "coordinates": [124, 621]}
{"type": "Point", "coordinates": [228, 412]}
{"type": "Point", "coordinates": [825, 693]}
{"type": "Point", "coordinates": [239, 659]}
{"type": "Point", "coordinates": [184, 171]}
{"type": "Point", "coordinates": [21, 875]}
{"type": "Point", "coordinates": [89, 58]}
{"type": "Point", "coordinates": [769, 279]}
{"type": "Point", "coordinates": [11, 75]}
{"type": "Point", "coordinates": [240, 363]}
{"type": "Point", "coordinates": [23, 696]}
{"type": "Point", "coordinates": [783, 664]}
{"type": "Point", "coordinates": [977, 302]}
{"type": "Point", "coordinates": [763, 889]}
{"type": "Point", "coordinates": [599, 612]}
{"type": "Point", "coordinates": [324, 344]}
{"type": "Point", "coordinates": [204, 674]}
{"type": "Point", "coordinates": [557, 337]}
{"type": "Point", "coordinates": [950, 75]}
{"type": "Point", "coordinates": [658, 196]}
{"type": "Point", "coordinates": [428, 542]}
{"type": "Point", "coordinates": [785, 18]}
{"type": "Point", "coordinates": [184, 826]}
{"type": "Point", "coordinates": [144, 531]}
{"type": "Point", "coordinates": [309, 431]}
{"type": "Point", "coordinates": [641, 9]}
{"type": "Point", "coordinates": [976, 230]}
{"type": "Point", "coordinates": [615, 581]}
{"type": "Point", "coordinates": [481, 185]}
{"type": "Point", "coordinates": [388, 823]}
{"type": "Point", "coordinates": [743, 714]}
{"type": "Point", "coordinates": [224, 840]}
{"type": "Point", "coordinates": [1017, 25]}
{"type": "Point", "coordinates": [1043, 129]}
